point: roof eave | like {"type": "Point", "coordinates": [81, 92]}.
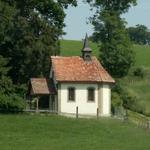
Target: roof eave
{"type": "Point", "coordinates": [67, 81]}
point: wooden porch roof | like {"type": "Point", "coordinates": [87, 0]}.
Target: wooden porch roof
{"type": "Point", "coordinates": [41, 86]}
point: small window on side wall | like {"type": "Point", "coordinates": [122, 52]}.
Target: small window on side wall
{"type": "Point", "coordinates": [91, 94]}
{"type": "Point", "coordinates": [71, 94]}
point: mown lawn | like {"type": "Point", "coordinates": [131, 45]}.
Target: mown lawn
{"type": "Point", "coordinates": [35, 132]}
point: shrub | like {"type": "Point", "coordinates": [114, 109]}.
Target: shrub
{"type": "Point", "coordinates": [116, 101]}
{"type": "Point", "coordinates": [129, 100]}
{"type": "Point", "coordinates": [11, 103]}
{"type": "Point", "coordinates": [139, 72]}
{"type": "Point", "coordinates": [21, 90]}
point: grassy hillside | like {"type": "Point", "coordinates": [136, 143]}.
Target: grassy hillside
{"type": "Point", "coordinates": [24, 132]}
{"type": "Point", "coordinates": [72, 48]}
{"type": "Point", "coordinates": [142, 55]}
{"type": "Point", "coordinates": [137, 86]}
{"type": "Point", "coordinates": [141, 89]}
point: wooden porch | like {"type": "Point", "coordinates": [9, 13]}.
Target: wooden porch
{"type": "Point", "coordinates": [42, 96]}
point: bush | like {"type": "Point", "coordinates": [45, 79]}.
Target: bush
{"type": "Point", "coordinates": [21, 90]}
{"type": "Point", "coordinates": [11, 103]}
{"type": "Point", "coordinates": [116, 101]}
{"type": "Point", "coordinates": [139, 72]}
{"type": "Point", "coordinates": [129, 100]}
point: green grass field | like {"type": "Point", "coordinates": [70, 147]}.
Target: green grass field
{"type": "Point", "coordinates": [35, 132]}
{"type": "Point", "coordinates": [50, 132]}
{"type": "Point", "coordinates": [73, 48]}
{"type": "Point", "coordinates": [140, 87]}
{"type": "Point", "coordinates": [142, 55]}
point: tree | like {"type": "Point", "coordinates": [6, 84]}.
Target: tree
{"type": "Point", "coordinates": [9, 100]}
{"type": "Point", "coordinates": [109, 29]}
{"type": "Point", "coordinates": [139, 34]}
{"type": "Point", "coordinates": [29, 34]}
{"type": "Point", "coordinates": [6, 85]}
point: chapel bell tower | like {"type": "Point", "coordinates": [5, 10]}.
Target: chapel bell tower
{"type": "Point", "coordinates": [86, 50]}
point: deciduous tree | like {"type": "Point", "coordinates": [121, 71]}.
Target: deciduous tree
{"type": "Point", "coordinates": [115, 53]}
{"type": "Point", "coordinates": [29, 34]}
{"type": "Point", "coordinates": [139, 34]}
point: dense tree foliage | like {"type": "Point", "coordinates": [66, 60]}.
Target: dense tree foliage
{"type": "Point", "coordinates": [139, 34]}
{"type": "Point", "coordinates": [5, 82]}
{"type": "Point", "coordinates": [115, 52]}
{"type": "Point", "coordinates": [29, 33]}
{"type": "Point", "coordinates": [8, 99]}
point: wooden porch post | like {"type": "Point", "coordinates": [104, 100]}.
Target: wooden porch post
{"type": "Point", "coordinates": [30, 104]}
{"type": "Point", "coordinates": [50, 103]}
{"type": "Point", "coordinates": [97, 113]}
{"type": "Point", "coordinates": [37, 104]}
{"type": "Point", "coordinates": [77, 112]}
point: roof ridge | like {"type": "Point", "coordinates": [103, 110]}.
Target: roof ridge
{"type": "Point", "coordinates": [34, 78]}
{"type": "Point", "coordinates": [63, 56]}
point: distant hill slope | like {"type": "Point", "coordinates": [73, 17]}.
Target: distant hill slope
{"type": "Point", "coordinates": [71, 48]}
{"type": "Point", "coordinates": [139, 87]}
{"type": "Point", "coordinates": [142, 55]}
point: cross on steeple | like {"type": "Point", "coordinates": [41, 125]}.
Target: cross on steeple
{"type": "Point", "coordinates": [86, 50]}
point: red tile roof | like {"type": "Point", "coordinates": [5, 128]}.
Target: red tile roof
{"type": "Point", "coordinates": [41, 86]}
{"type": "Point", "coordinates": [75, 69]}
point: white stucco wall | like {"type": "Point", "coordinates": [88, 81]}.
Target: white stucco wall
{"type": "Point", "coordinates": [105, 100]}
{"type": "Point", "coordinates": [81, 95]}
{"type": "Point", "coordinates": [102, 99]}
